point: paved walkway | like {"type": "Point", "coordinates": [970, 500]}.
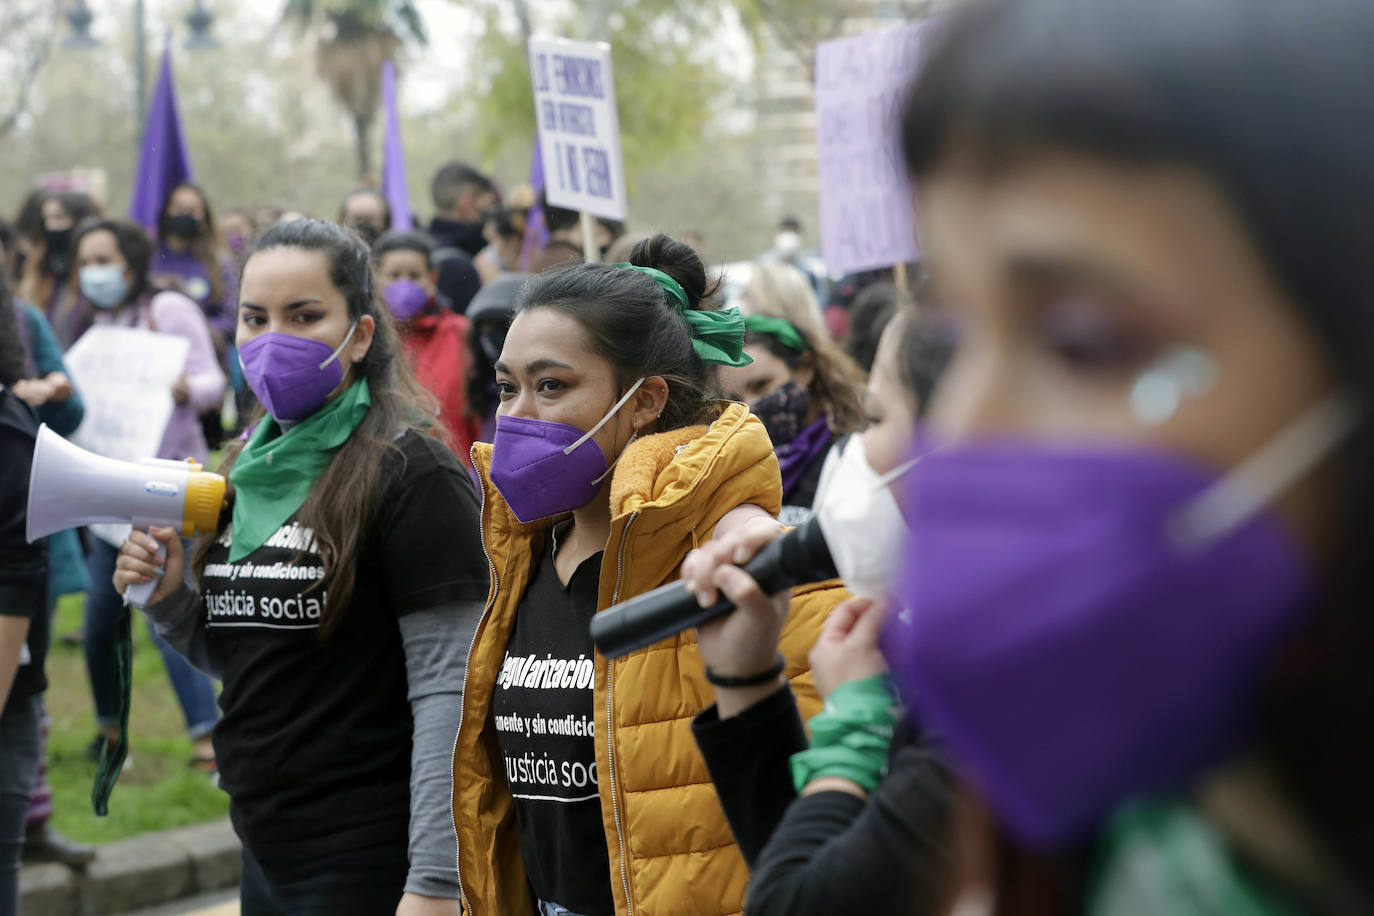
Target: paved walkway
{"type": "Point", "coordinates": [223, 903]}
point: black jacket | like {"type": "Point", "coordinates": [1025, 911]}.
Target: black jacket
{"type": "Point", "coordinates": [23, 566]}
{"type": "Point", "coordinates": [831, 852]}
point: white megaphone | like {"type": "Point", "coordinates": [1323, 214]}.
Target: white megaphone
{"type": "Point", "coordinates": [70, 487]}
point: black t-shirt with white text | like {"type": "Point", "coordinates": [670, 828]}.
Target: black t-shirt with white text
{"type": "Point", "coordinates": [314, 745]}
{"type": "Point", "coordinates": [546, 728]}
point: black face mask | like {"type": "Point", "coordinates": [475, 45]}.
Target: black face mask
{"type": "Point", "coordinates": [183, 226]}
{"type": "Point", "coordinates": [367, 231]}
{"type": "Point", "coordinates": [57, 256]}
{"type": "Point", "coordinates": [784, 412]}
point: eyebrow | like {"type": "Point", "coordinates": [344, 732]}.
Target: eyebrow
{"type": "Point", "coordinates": [539, 365]}
{"type": "Point", "coordinates": [294, 305]}
{"type": "Point", "coordinates": [1052, 268]}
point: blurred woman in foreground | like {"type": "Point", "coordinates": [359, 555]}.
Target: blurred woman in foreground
{"type": "Point", "coordinates": [1138, 597]}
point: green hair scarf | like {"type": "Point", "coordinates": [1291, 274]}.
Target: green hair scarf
{"type": "Point", "coordinates": [717, 335]}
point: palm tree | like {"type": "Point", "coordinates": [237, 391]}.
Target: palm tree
{"type": "Point", "coordinates": [355, 37]}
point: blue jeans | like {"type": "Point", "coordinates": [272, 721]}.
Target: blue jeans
{"type": "Point", "coordinates": [554, 909]}
{"type": "Point", "coordinates": [194, 690]}
{"type": "Point", "coordinates": [18, 767]}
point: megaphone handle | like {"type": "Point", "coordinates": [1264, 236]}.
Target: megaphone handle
{"type": "Point", "coordinates": [140, 595]}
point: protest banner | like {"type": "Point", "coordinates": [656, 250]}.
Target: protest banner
{"type": "Point", "coordinates": [861, 82]}
{"type": "Point", "coordinates": [579, 130]}
{"type": "Point", "coordinates": [93, 182]}
{"type": "Point", "coordinates": [125, 377]}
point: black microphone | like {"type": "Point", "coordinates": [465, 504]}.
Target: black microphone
{"type": "Point", "coordinates": [798, 557]}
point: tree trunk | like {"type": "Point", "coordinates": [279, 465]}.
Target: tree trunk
{"type": "Point", "coordinates": [33, 36]}
{"type": "Point", "coordinates": [362, 131]}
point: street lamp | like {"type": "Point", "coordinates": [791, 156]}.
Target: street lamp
{"type": "Point", "coordinates": [199, 21]}
{"type": "Point", "coordinates": [79, 16]}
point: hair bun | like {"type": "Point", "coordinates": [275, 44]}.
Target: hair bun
{"type": "Point", "coordinates": [679, 261]}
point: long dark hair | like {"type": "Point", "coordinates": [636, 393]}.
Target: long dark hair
{"type": "Point", "coordinates": [134, 246]}
{"type": "Point", "coordinates": [205, 247]}
{"type": "Point", "coordinates": [631, 325]}
{"type": "Point", "coordinates": [37, 282]}
{"type": "Point", "coordinates": [344, 501]}
{"type": "Point", "coordinates": [28, 219]}
{"type": "Point", "coordinates": [1273, 101]}
{"type": "Point", "coordinates": [12, 353]}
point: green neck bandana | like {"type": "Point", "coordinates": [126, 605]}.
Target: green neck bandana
{"type": "Point", "coordinates": [780, 328]}
{"type": "Point", "coordinates": [717, 335]}
{"type": "Point", "coordinates": [275, 470]}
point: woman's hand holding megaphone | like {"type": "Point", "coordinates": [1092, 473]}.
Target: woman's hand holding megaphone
{"type": "Point", "coordinates": [139, 562]}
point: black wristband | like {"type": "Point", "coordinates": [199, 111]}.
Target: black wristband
{"type": "Point", "coordinates": [748, 680]}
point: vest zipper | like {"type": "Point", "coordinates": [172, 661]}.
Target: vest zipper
{"type": "Point", "coordinates": [610, 722]}
{"type": "Point", "coordinates": [467, 670]}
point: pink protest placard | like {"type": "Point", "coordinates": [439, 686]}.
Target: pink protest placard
{"type": "Point", "coordinates": [866, 207]}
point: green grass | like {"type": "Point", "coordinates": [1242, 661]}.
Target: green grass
{"type": "Point", "coordinates": [158, 791]}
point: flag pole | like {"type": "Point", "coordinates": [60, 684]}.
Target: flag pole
{"type": "Point", "coordinates": [590, 253]}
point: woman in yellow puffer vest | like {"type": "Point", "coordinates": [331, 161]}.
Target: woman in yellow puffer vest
{"type": "Point", "coordinates": [578, 787]}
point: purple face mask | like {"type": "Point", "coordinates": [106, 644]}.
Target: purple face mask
{"type": "Point", "coordinates": [292, 376]}
{"type": "Point", "coordinates": [1081, 627]}
{"type": "Point", "coordinates": [542, 468]}
{"type": "Point", "coordinates": [405, 298]}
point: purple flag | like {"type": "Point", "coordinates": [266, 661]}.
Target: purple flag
{"type": "Point", "coordinates": [394, 156]}
{"type": "Point", "coordinates": [536, 231]}
{"type": "Point", "coordinates": [164, 160]}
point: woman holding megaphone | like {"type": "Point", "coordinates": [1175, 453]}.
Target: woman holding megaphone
{"type": "Point", "coordinates": [337, 599]}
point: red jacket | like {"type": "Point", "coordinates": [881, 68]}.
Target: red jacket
{"type": "Point", "coordinates": [438, 348]}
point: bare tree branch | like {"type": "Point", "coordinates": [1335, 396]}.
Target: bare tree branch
{"type": "Point", "coordinates": [17, 28]}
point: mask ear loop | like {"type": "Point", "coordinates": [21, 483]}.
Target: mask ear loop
{"type": "Point", "coordinates": [1258, 480]}
{"type": "Point", "coordinates": [887, 479]}
{"type": "Point", "coordinates": [335, 355]}
{"type": "Point", "coordinates": [598, 480]}
{"type": "Point", "coordinates": [606, 419]}
{"type": "Point", "coordinates": [633, 436]}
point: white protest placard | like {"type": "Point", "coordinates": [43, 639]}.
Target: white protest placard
{"type": "Point", "coordinates": [579, 130]}
{"type": "Point", "coordinates": [866, 212]}
{"type": "Point", "coordinates": [125, 377]}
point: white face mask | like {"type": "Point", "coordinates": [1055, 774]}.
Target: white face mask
{"type": "Point", "coordinates": [787, 243]}
{"type": "Point", "coordinates": [859, 517]}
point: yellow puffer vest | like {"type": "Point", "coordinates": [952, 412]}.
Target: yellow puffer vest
{"type": "Point", "coordinates": [671, 851]}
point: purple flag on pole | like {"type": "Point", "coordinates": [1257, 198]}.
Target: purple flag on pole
{"type": "Point", "coordinates": [536, 231]}
{"type": "Point", "coordinates": [394, 156]}
{"type": "Point", "coordinates": [164, 160]}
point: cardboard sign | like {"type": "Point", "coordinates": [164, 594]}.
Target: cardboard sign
{"type": "Point", "coordinates": [579, 130]}
{"type": "Point", "coordinates": [866, 211]}
{"type": "Point", "coordinates": [125, 377]}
